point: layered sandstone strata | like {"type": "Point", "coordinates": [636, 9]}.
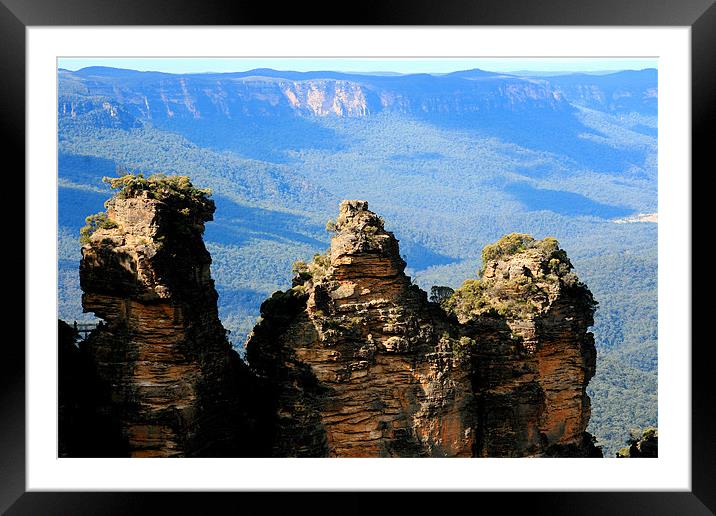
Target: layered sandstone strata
{"type": "Point", "coordinates": [531, 383]}
{"type": "Point", "coordinates": [357, 362]}
{"type": "Point", "coordinates": [175, 382]}
{"type": "Point", "coordinates": [352, 361]}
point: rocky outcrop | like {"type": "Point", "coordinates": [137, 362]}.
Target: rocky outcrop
{"type": "Point", "coordinates": [360, 364]}
{"type": "Point", "coordinates": [531, 386]}
{"type": "Point", "coordinates": [326, 97]}
{"type": "Point", "coordinates": [641, 445]}
{"type": "Point", "coordinates": [357, 362]}
{"type": "Point", "coordinates": [176, 384]}
{"type": "Point", "coordinates": [352, 361]}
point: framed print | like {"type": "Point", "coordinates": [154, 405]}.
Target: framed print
{"type": "Point", "coordinates": [500, 295]}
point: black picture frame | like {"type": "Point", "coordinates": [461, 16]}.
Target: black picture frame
{"type": "Point", "coordinates": [16, 15]}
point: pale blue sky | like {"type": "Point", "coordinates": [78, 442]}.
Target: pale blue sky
{"type": "Point", "coordinates": [401, 65]}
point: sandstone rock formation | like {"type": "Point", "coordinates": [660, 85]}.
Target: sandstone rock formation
{"type": "Point", "coordinates": [357, 362]}
{"type": "Point", "coordinates": [176, 384]}
{"type": "Point", "coordinates": [352, 361]}
{"type": "Point", "coordinates": [531, 386]}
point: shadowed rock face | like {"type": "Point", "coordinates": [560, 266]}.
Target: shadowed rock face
{"type": "Point", "coordinates": [175, 380]}
{"type": "Point", "coordinates": [358, 363]}
{"type": "Point", "coordinates": [531, 386]}
{"type": "Point", "coordinates": [641, 446]}
{"type": "Point", "coordinates": [85, 427]}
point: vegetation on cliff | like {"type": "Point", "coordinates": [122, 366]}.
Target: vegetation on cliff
{"type": "Point", "coordinates": [313, 271]}
{"type": "Point", "coordinates": [641, 444]}
{"type": "Point", "coordinates": [187, 200]}
{"type": "Point", "coordinates": [469, 300]}
{"type": "Point", "coordinates": [520, 290]}
{"type": "Point", "coordinates": [93, 223]}
{"type": "Point", "coordinates": [555, 260]}
{"type": "Point", "coordinates": [158, 186]}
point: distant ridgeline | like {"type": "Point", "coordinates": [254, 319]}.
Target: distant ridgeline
{"type": "Point", "coordinates": [453, 161]}
{"type": "Point", "coordinates": [351, 361]}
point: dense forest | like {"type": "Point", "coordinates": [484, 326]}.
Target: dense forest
{"type": "Point", "coordinates": [452, 165]}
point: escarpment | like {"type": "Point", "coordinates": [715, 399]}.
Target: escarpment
{"type": "Point", "coordinates": [358, 363]}
{"type": "Point", "coordinates": [351, 361]}
{"type": "Point", "coordinates": [177, 387]}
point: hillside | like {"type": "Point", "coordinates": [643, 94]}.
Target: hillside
{"type": "Point", "coordinates": [454, 162]}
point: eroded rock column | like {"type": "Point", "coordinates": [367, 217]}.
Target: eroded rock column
{"type": "Point", "coordinates": [358, 363]}
{"type": "Point", "coordinates": [145, 272]}
{"type": "Point", "coordinates": [362, 366]}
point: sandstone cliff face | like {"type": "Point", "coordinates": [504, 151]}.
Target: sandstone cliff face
{"type": "Point", "coordinates": [175, 382]}
{"type": "Point", "coordinates": [265, 93]}
{"type": "Point", "coordinates": [358, 363]}
{"type": "Point", "coordinates": [352, 361]}
{"type": "Point", "coordinates": [531, 387]}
